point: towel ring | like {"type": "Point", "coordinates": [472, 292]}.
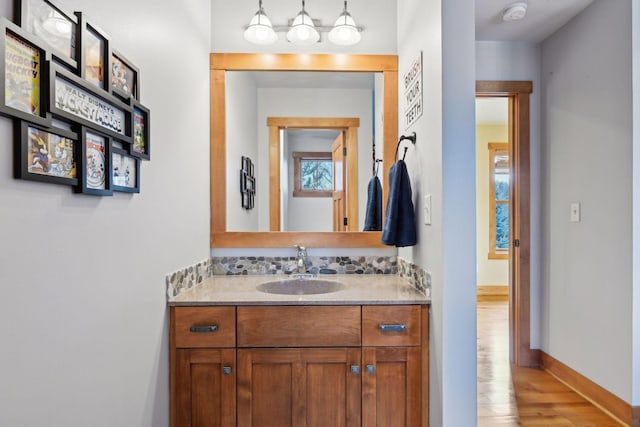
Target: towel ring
{"type": "Point", "coordinates": [411, 138]}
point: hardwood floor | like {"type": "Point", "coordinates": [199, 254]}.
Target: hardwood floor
{"type": "Point", "coordinates": [522, 396]}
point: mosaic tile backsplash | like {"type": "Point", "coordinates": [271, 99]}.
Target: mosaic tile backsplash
{"type": "Point", "coordinates": [188, 277]}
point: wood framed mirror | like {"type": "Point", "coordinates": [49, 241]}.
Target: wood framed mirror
{"type": "Point", "coordinates": [220, 63]}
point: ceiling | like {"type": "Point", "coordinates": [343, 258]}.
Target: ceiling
{"type": "Point", "coordinates": [543, 18]}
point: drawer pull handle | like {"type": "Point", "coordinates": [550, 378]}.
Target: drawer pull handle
{"type": "Point", "coordinates": [371, 369]}
{"type": "Point", "coordinates": [209, 328]}
{"type": "Point", "coordinates": [226, 370]}
{"type": "Point", "coordinates": [355, 369]}
{"type": "Point", "coordinates": [393, 328]}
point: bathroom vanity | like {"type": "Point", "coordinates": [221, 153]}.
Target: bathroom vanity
{"type": "Point", "coordinates": [353, 357]}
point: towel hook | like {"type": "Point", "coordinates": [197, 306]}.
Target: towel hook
{"type": "Point", "coordinates": [411, 138]}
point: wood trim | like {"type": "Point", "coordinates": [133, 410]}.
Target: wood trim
{"type": "Point", "coordinates": [351, 169]}
{"type": "Point", "coordinates": [222, 62]}
{"type": "Point", "coordinates": [302, 62]}
{"type": "Point", "coordinates": [492, 255]}
{"type": "Point", "coordinates": [274, 179]}
{"type": "Point", "coordinates": [517, 92]}
{"type": "Point", "coordinates": [313, 122]}
{"type": "Point", "coordinates": [345, 239]}
{"type": "Point", "coordinates": [635, 416]}
{"type": "Point", "coordinates": [600, 397]}
{"type": "Point", "coordinates": [493, 293]}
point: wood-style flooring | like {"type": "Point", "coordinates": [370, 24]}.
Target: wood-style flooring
{"type": "Point", "coordinates": [522, 396]}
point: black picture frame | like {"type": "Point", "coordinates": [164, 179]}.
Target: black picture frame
{"type": "Point", "coordinates": [56, 28]}
{"type": "Point", "coordinates": [78, 101]}
{"type": "Point", "coordinates": [22, 95]}
{"type": "Point", "coordinates": [93, 51]}
{"type": "Point", "coordinates": [45, 154]}
{"type": "Point", "coordinates": [125, 77]}
{"type": "Point", "coordinates": [140, 131]}
{"type": "Point", "coordinates": [122, 179]}
{"type": "Point", "coordinates": [247, 183]}
{"type": "Point", "coordinates": [94, 163]}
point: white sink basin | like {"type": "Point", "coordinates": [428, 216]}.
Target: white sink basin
{"type": "Point", "coordinates": [300, 286]}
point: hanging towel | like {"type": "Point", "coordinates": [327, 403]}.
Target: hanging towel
{"type": "Point", "coordinates": [373, 214]}
{"type": "Point", "coordinates": [400, 225]}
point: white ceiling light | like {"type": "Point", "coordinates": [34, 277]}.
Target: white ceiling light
{"type": "Point", "coordinates": [260, 30]}
{"type": "Point", "coordinates": [514, 12]}
{"type": "Point", "coordinates": [345, 32]}
{"type": "Point", "coordinates": [302, 31]}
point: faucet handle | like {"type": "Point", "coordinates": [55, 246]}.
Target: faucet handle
{"type": "Point", "coordinates": [299, 248]}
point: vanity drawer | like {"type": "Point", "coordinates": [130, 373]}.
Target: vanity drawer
{"type": "Point", "coordinates": [296, 326]}
{"type": "Point", "coordinates": [390, 325]}
{"type": "Point", "coordinates": [205, 327]}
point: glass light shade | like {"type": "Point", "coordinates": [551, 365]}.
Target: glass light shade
{"type": "Point", "coordinates": [302, 30]}
{"type": "Point", "coordinates": [260, 30]}
{"type": "Point", "coordinates": [344, 31]}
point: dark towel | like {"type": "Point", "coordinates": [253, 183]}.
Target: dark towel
{"type": "Point", "coordinates": [400, 225]}
{"type": "Point", "coordinates": [373, 214]}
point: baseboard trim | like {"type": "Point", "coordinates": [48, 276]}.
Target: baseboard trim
{"type": "Point", "coordinates": [493, 293]}
{"type": "Point", "coordinates": [603, 399]}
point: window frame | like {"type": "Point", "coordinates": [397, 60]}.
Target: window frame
{"type": "Point", "coordinates": [495, 148]}
{"type": "Point", "coordinates": [298, 156]}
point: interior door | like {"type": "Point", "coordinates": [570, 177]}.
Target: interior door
{"type": "Point", "coordinates": [338, 152]}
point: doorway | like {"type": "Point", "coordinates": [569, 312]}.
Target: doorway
{"type": "Point", "coordinates": [517, 95]}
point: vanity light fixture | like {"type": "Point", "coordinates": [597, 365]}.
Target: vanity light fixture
{"type": "Point", "coordinates": [345, 32]}
{"type": "Point", "coordinates": [260, 30]}
{"type": "Point", "coordinates": [303, 30]}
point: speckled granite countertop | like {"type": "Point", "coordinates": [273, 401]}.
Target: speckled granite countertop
{"type": "Point", "coordinates": [358, 289]}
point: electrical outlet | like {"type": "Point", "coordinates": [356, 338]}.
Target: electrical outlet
{"type": "Point", "coordinates": [575, 212]}
{"type": "Point", "coordinates": [427, 209]}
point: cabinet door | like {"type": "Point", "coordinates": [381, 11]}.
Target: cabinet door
{"type": "Point", "coordinates": [205, 390]}
{"type": "Point", "coordinates": [299, 387]}
{"type": "Point", "coordinates": [391, 387]}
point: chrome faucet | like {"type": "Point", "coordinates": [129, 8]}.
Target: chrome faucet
{"type": "Point", "coordinates": [302, 259]}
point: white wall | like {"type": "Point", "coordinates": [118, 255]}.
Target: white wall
{"type": "Point", "coordinates": [490, 272]}
{"type": "Point", "coordinates": [307, 213]}
{"type": "Point", "coordinates": [241, 110]}
{"type": "Point", "coordinates": [522, 61]}
{"type": "Point", "coordinates": [587, 154]}
{"type": "Point", "coordinates": [230, 18]}
{"type": "Point", "coordinates": [83, 314]}
{"type": "Point", "coordinates": [443, 165]}
{"type": "Point", "coordinates": [274, 102]}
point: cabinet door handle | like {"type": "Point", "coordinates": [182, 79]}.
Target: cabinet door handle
{"type": "Point", "coordinates": [371, 369]}
{"type": "Point", "coordinates": [355, 369]}
{"type": "Point", "coordinates": [226, 370]}
{"type": "Point", "coordinates": [392, 328]}
{"type": "Point", "coordinates": [208, 328]}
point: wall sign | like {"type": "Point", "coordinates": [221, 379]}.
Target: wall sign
{"type": "Point", "coordinates": [412, 81]}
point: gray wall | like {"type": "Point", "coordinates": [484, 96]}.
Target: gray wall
{"type": "Point", "coordinates": [442, 164]}
{"type": "Point", "coordinates": [587, 152]}
{"type": "Point", "coordinates": [83, 315]}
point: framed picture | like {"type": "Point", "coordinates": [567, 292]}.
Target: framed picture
{"type": "Point", "coordinates": [125, 78]}
{"type": "Point", "coordinates": [74, 99]}
{"type": "Point", "coordinates": [93, 50]}
{"type": "Point", "coordinates": [125, 171]}
{"type": "Point", "coordinates": [56, 28]}
{"type": "Point", "coordinates": [247, 183]}
{"type": "Point", "coordinates": [45, 154]}
{"type": "Point", "coordinates": [141, 142]}
{"type": "Point", "coordinates": [95, 149]}
{"type": "Point", "coordinates": [23, 71]}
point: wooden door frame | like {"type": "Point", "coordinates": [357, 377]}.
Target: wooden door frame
{"type": "Point", "coordinates": [517, 92]}
{"type": "Point", "coordinates": [349, 125]}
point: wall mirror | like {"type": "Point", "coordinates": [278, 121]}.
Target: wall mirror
{"type": "Point", "coordinates": [287, 110]}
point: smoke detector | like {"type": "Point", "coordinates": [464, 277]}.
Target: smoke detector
{"type": "Point", "coordinates": [514, 12]}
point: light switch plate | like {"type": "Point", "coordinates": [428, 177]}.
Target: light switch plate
{"type": "Point", "coordinates": [427, 209]}
{"type": "Point", "coordinates": [574, 215]}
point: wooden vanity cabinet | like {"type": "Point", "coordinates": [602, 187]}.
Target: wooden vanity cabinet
{"type": "Point", "coordinates": [301, 366]}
